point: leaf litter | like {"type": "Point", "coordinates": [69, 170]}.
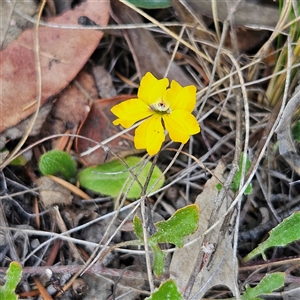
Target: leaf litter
{"type": "Point", "coordinates": [238, 111]}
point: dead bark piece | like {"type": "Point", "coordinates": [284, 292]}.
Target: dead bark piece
{"type": "Point", "coordinates": [147, 53]}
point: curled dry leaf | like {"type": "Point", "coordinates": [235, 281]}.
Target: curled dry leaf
{"type": "Point", "coordinates": [286, 144]}
{"type": "Point", "coordinates": [193, 12]}
{"type": "Point", "coordinates": [52, 193]}
{"type": "Point", "coordinates": [104, 82]}
{"type": "Point", "coordinates": [243, 12]}
{"type": "Point", "coordinates": [63, 52]}
{"type": "Point", "coordinates": [148, 55]}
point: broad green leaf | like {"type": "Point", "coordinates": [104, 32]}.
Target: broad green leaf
{"type": "Point", "coordinates": [268, 284]}
{"type": "Point", "coordinates": [109, 178]}
{"type": "Point", "coordinates": [58, 162]}
{"type": "Point", "coordinates": [151, 4]}
{"type": "Point", "coordinates": [237, 178]}
{"type": "Point", "coordinates": [13, 276]}
{"type": "Point", "coordinates": [286, 232]}
{"type": "Point", "coordinates": [182, 223]}
{"type": "Point", "coordinates": [167, 291]}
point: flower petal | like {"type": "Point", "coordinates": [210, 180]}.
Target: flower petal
{"type": "Point", "coordinates": [152, 89]}
{"type": "Point", "coordinates": [181, 125]}
{"type": "Point", "coordinates": [130, 111]}
{"type": "Point", "coordinates": [150, 135]}
{"type": "Point", "coordinates": [179, 97]}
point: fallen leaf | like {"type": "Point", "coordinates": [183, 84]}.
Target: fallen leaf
{"type": "Point", "coordinates": [221, 270]}
{"type": "Point", "coordinates": [52, 193]}
{"type": "Point", "coordinates": [287, 147]}
{"type": "Point", "coordinates": [63, 52]}
{"type": "Point", "coordinates": [104, 82]}
{"type": "Point", "coordinates": [193, 13]}
{"type": "Point", "coordinates": [147, 53]}
{"type": "Point", "coordinates": [245, 13]}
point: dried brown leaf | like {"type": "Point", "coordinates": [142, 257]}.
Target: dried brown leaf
{"type": "Point", "coordinates": [221, 270]}
{"type": "Point", "coordinates": [63, 52]}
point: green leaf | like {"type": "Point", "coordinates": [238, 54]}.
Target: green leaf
{"type": "Point", "coordinates": [219, 187]}
{"type": "Point", "coordinates": [158, 258]}
{"type": "Point", "coordinates": [167, 291]}
{"type": "Point", "coordinates": [109, 178]}
{"type": "Point", "coordinates": [237, 178]}
{"type": "Point", "coordinates": [286, 232]}
{"type": "Point", "coordinates": [296, 132]}
{"type": "Point", "coordinates": [19, 161]}
{"type": "Point", "coordinates": [248, 190]}
{"type": "Point", "coordinates": [13, 276]}
{"type": "Point", "coordinates": [138, 227]}
{"type": "Point", "coordinates": [58, 162]}
{"type": "Point", "coordinates": [151, 4]}
{"type": "Point", "coordinates": [182, 223]}
{"type": "Point", "coordinates": [267, 285]}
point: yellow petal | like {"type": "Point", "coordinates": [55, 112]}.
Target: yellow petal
{"type": "Point", "coordinates": [179, 97]}
{"type": "Point", "coordinates": [152, 89]}
{"type": "Point", "coordinates": [130, 111]}
{"type": "Point", "coordinates": [150, 135]}
{"type": "Point", "coordinates": [181, 125]}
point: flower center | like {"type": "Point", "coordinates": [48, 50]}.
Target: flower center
{"type": "Point", "coordinates": [161, 106]}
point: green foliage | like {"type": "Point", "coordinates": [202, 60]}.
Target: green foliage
{"type": "Point", "coordinates": [286, 232]}
{"type": "Point", "coordinates": [58, 162]}
{"type": "Point", "coordinates": [109, 178]}
{"type": "Point", "coordinates": [19, 161]}
{"type": "Point", "coordinates": [151, 4]}
{"type": "Point", "coordinates": [13, 276]}
{"type": "Point", "coordinates": [183, 222]}
{"type": "Point", "coordinates": [237, 178]}
{"type": "Point", "coordinates": [296, 132]}
{"type": "Point", "coordinates": [167, 291]}
{"type": "Point", "coordinates": [267, 285]}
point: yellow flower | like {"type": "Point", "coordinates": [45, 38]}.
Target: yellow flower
{"type": "Point", "coordinates": [161, 108]}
